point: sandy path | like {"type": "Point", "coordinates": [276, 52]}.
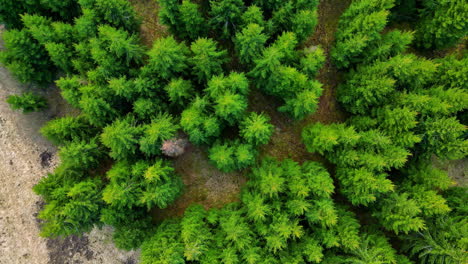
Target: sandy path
{"type": "Point", "coordinates": [25, 157]}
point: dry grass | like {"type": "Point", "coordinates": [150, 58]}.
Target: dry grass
{"type": "Point", "coordinates": [150, 28]}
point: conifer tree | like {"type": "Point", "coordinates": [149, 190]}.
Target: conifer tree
{"type": "Point", "coordinates": [167, 59]}
{"type": "Point", "coordinates": [66, 129]}
{"type": "Point", "coordinates": [226, 16]}
{"type": "Point", "coordinates": [121, 137]}
{"type": "Point", "coordinates": [255, 129]}
{"type": "Point", "coordinates": [194, 22]}
{"type": "Point", "coordinates": [442, 23]}
{"type": "Point", "coordinates": [26, 58]}
{"type": "Point", "coordinates": [250, 43]}
{"type": "Point", "coordinates": [27, 102]}
{"type": "Point", "coordinates": [207, 60]}
{"type": "Point", "coordinates": [160, 129]}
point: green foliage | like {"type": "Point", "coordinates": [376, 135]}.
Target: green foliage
{"type": "Point", "coordinates": [313, 60]}
{"type": "Point", "coordinates": [373, 248]}
{"type": "Point", "coordinates": [303, 24]}
{"type": "Point", "coordinates": [179, 91]}
{"type": "Point", "coordinates": [27, 102]}
{"type": "Point", "coordinates": [442, 23]}
{"type": "Point", "coordinates": [26, 58]}
{"type": "Point", "coordinates": [399, 213]}
{"type": "Point", "coordinates": [80, 155]}
{"type": "Point", "coordinates": [194, 22]}
{"type": "Point", "coordinates": [444, 138]}
{"type": "Point", "coordinates": [305, 102]}
{"type": "Point", "coordinates": [121, 137]}
{"type": "Point", "coordinates": [117, 13]}
{"type": "Point", "coordinates": [267, 224]}
{"type": "Point", "coordinates": [98, 111]}
{"type": "Point", "coordinates": [131, 236]}
{"type": "Point", "coordinates": [255, 129]}
{"type": "Point", "coordinates": [250, 43]}
{"type": "Point", "coordinates": [66, 129]}
{"type": "Point", "coordinates": [167, 234]}
{"type": "Point", "coordinates": [70, 89]}
{"type": "Point", "coordinates": [141, 184]}
{"type": "Point", "coordinates": [359, 29]}
{"type": "Point", "coordinates": [206, 60]}
{"type": "Point", "coordinates": [198, 123]}
{"type": "Point", "coordinates": [160, 129]}
{"type": "Point", "coordinates": [226, 16]}
{"type": "Point", "coordinates": [443, 242]}
{"type": "Point", "coordinates": [10, 12]}
{"type": "Point", "coordinates": [167, 59]}
{"type": "Point", "coordinates": [229, 156]}
{"type": "Point", "coordinates": [230, 106]}
{"type": "Point", "coordinates": [114, 50]}
{"type": "Point", "coordinates": [72, 208]}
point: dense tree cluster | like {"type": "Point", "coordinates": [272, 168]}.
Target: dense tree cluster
{"type": "Point", "coordinates": [286, 215]}
{"type": "Point", "coordinates": [439, 23]}
{"type": "Point", "coordinates": [405, 110]}
{"type": "Point", "coordinates": [135, 102]}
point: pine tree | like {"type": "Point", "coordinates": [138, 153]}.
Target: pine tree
{"type": "Point", "coordinates": [160, 129]}
{"type": "Point", "coordinates": [255, 129]}
{"type": "Point", "coordinates": [121, 137]}
{"type": "Point", "coordinates": [303, 24]}
{"type": "Point", "coordinates": [167, 59]}
{"type": "Point", "coordinates": [26, 58]}
{"type": "Point", "coordinates": [80, 155]}
{"type": "Point", "coordinates": [73, 208]}
{"type": "Point", "coordinates": [190, 16]}
{"type": "Point", "coordinates": [116, 13]}
{"type": "Point", "coordinates": [250, 43]}
{"type": "Point", "coordinates": [312, 61]}
{"type": "Point", "coordinates": [201, 126]}
{"type": "Point", "coordinates": [444, 138]}
{"type": "Point", "coordinates": [230, 107]}
{"type": "Point", "coordinates": [400, 214]}
{"type": "Point", "coordinates": [442, 23]}
{"type": "Point", "coordinates": [27, 102]}
{"type": "Point", "coordinates": [179, 91]}
{"type": "Point", "coordinates": [359, 27]}
{"type": "Point", "coordinates": [206, 61]}
{"type": "Point", "coordinates": [66, 129]}
{"type": "Point", "coordinates": [70, 89]}
{"type": "Point", "coordinates": [305, 102]}
{"type": "Point", "coordinates": [226, 16]}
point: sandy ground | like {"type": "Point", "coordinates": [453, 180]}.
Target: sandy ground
{"type": "Point", "coordinates": [25, 157]}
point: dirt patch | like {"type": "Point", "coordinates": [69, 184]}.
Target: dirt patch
{"type": "Point", "coordinates": [150, 28]}
{"type": "Point", "coordinates": [204, 184]}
